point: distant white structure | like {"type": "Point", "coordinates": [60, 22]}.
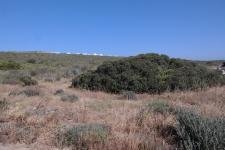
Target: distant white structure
{"type": "Point", "coordinates": [69, 53]}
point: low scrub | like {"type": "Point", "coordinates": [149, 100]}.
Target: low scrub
{"type": "Point", "coordinates": [149, 73]}
{"type": "Point", "coordinates": [9, 65]}
{"type": "Point", "coordinates": [28, 81]}
{"type": "Point", "coordinates": [196, 132]}
{"type": "Point", "coordinates": [69, 98]}
{"type": "Point", "coordinates": [83, 136]}
{"type": "Point", "coordinates": [31, 91]}
{"type": "Point", "coordinates": [3, 105]}
{"type": "Point", "coordinates": [13, 77]}
{"type": "Point", "coordinates": [59, 92]}
{"type": "Point", "coordinates": [157, 106]}
{"type": "Point", "coordinates": [31, 61]}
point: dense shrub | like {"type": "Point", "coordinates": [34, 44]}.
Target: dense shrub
{"type": "Point", "coordinates": [151, 73]}
{"type": "Point", "coordinates": [28, 81]}
{"type": "Point", "coordinates": [81, 136]}
{"type": "Point", "coordinates": [199, 133]}
{"type": "Point", "coordinates": [9, 65]}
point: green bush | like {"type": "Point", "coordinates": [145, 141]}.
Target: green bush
{"type": "Point", "coordinates": [200, 133]}
{"type": "Point", "coordinates": [81, 136]}
{"type": "Point", "coordinates": [28, 81]}
{"type": "Point", "coordinates": [150, 73]}
{"type": "Point", "coordinates": [9, 65]}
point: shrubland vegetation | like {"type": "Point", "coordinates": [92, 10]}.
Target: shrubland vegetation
{"type": "Point", "coordinates": [149, 73]}
{"type": "Point", "coordinates": [9, 65]}
{"type": "Point", "coordinates": [197, 132]}
{"type": "Point", "coordinates": [84, 136]}
{"type": "Point", "coordinates": [40, 110]}
{"type": "Point", "coordinates": [45, 66]}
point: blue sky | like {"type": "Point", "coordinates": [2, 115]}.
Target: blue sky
{"type": "Point", "coordinates": [193, 29]}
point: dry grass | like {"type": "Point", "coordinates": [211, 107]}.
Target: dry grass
{"type": "Point", "coordinates": [35, 121]}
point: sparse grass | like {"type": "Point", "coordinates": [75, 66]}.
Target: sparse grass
{"type": "Point", "coordinates": [82, 136]}
{"type": "Point", "coordinates": [69, 98]}
{"type": "Point", "coordinates": [59, 92]}
{"type": "Point", "coordinates": [156, 106]}
{"type": "Point", "coordinates": [3, 105]}
{"type": "Point", "coordinates": [31, 91]}
{"type": "Point", "coordinates": [128, 95]}
{"type": "Point", "coordinates": [159, 106]}
{"type": "Point", "coordinates": [43, 64]}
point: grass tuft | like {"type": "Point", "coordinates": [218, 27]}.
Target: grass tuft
{"type": "Point", "coordinates": [81, 136]}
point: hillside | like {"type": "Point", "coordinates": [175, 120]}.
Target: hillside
{"type": "Point", "coordinates": [47, 66]}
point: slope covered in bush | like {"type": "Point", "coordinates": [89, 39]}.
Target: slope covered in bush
{"type": "Point", "coordinates": [151, 73]}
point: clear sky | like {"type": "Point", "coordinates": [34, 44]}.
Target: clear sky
{"type": "Point", "coordinates": [179, 28]}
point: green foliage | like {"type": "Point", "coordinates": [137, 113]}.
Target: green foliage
{"type": "Point", "coordinates": [151, 73]}
{"type": "Point", "coordinates": [80, 136]}
{"type": "Point", "coordinates": [199, 133]}
{"type": "Point", "coordinates": [9, 65]}
{"type": "Point", "coordinates": [28, 81]}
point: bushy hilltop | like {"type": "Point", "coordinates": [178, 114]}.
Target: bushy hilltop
{"type": "Point", "coordinates": [149, 73]}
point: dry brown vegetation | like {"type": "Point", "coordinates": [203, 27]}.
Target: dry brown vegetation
{"type": "Point", "coordinates": [36, 122]}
